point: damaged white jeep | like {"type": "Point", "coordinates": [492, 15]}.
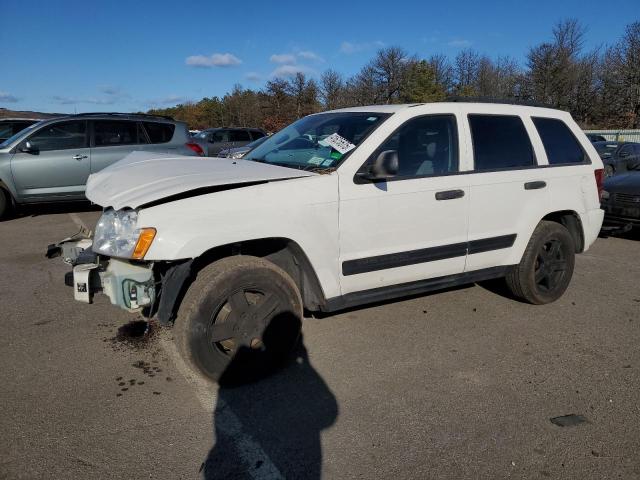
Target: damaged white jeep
{"type": "Point", "coordinates": [339, 209]}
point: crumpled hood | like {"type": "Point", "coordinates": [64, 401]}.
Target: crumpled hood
{"type": "Point", "coordinates": [624, 183]}
{"type": "Point", "coordinates": [145, 177]}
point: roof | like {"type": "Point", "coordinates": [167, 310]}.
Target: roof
{"type": "Point", "coordinates": [470, 103]}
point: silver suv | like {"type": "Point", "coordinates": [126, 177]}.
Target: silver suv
{"type": "Point", "coordinates": [51, 160]}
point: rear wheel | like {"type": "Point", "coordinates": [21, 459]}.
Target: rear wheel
{"type": "Point", "coordinates": [546, 268]}
{"type": "Point", "coordinates": [239, 320]}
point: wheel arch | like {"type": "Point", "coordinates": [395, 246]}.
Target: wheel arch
{"type": "Point", "coordinates": [572, 222]}
{"type": "Point", "coordinates": [283, 252]}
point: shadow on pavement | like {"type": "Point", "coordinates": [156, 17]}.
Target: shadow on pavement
{"type": "Point", "coordinates": [283, 414]}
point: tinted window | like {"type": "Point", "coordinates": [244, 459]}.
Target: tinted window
{"type": "Point", "coordinates": [6, 130]}
{"type": "Point", "coordinates": [425, 145]}
{"type": "Point", "coordinates": [110, 133]}
{"type": "Point", "coordinates": [255, 134]}
{"type": "Point", "coordinates": [559, 143]}
{"type": "Point", "coordinates": [60, 136]}
{"type": "Point", "coordinates": [142, 136]}
{"type": "Point", "coordinates": [159, 132]}
{"type": "Point", "coordinates": [240, 136]}
{"type": "Point", "coordinates": [500, 141]}
{"type": "Point", "coordinates": [219, 136]}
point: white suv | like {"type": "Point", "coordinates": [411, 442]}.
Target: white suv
{"type": "Point", "coordinates": [340, 209]}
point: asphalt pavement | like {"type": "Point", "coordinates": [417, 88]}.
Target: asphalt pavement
{"type": "Point", "coordinates": [457, 384]}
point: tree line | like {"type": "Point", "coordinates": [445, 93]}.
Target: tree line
{"type": "Point", "coordinates": [600, 87]}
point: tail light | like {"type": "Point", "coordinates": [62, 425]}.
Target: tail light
{"type": "Point", "coordinates": [196, 148]}
{"type": "Point", "coordinates": [599, 173]}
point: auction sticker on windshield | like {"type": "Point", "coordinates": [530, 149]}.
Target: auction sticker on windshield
{"type": "Point", "coordinates": [341, 144]}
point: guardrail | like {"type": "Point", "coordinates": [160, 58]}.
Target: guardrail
{"type": "Point", "coordinates": [618, 135]}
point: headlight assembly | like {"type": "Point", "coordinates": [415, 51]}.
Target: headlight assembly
{"type": "Point", "coordinates": [117, 235]}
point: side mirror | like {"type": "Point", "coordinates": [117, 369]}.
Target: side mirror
{"type": "Point", "coordinates": [384, 167]}
{"type": "Point", "coordinates": [28, 147]}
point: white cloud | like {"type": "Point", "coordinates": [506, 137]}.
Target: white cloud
{"type": "Point", "coordinates": [283, 58]}
{"type": "Point", "coordinates": [459, 43]}
{"type": "Point", "coordinates": [349, 48]}
{"type": "Point", "coordinates": [8, 98]}
{"type": "Point", "coordinates": [285, 71]}
{"type": "Point", "coordinates": [169, 100]}
{"type": "Point", "coordinates": [214, 60]}
{"type": "Point", "coordinates": [309, 55]}
{"type": "Point", "coordinates": [253, 77]}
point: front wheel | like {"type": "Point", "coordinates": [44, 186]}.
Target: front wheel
{"type": "Point", "coordinates": [546, 268]}
{"type": "Point", "coordinates": [5, 203]}
{"type": "Point", "coordinates": [239, 320]}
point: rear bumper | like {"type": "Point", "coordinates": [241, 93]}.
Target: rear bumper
{"type": "Point", "coordinates": [592, 223]}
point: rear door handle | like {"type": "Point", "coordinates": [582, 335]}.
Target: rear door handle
{"type": "Point", "coordinates": [535, 185]}
{"type": "Point", "coordinates": [79, 157]}
{"type": "Point", "coordinates": [449, 194]}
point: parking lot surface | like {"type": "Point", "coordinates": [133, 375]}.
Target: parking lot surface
{"type": "Point", "coordinates": [457, 384]}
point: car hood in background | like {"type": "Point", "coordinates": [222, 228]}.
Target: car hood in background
{"type": "Point", "coordinates": [143, 177]}
{"type": "Point", "coordinates": [624, 183]}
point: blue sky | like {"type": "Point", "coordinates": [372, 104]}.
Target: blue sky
{"type": "Point", "coordinates": [67, 56]}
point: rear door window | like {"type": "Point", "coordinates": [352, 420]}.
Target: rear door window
{"type": "Point", "coordinates": [560, 144]}
{"type": "Point", "coordinates": [61, 136]}
{"type": "Point", "coordinates": [240, 136]}
{"type": "Point", "coordinates": [113, 133]}
{"type": "Point", "coordinates": [159, 132]}
{"type": "Point", "coordinates": [500, 142]}
{"type": "Point", "coordinates": [256, 134]}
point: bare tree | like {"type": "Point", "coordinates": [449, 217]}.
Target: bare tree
{"type": "Point", "coordinates": [331, 89]}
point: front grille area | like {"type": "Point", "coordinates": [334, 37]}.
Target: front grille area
{"type": "Point", "coordinates": [627, 198]}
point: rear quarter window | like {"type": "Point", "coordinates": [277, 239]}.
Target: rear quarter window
{"type": "Point", "coordinates": [500, 142]}
{"type": "Point", "coordinates": [560, 144]}
{"type": "Point", "coordinates": [159, 132]}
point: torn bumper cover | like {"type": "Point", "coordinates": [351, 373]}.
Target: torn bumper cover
{"type": "Point", "coordinates": [128, 285]}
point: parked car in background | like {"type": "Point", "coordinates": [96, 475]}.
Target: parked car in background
{"type": "Point", "coordinates": [240, 152]}
{"type": "Point", "coordinates": [618, 156]}
{"type": "Point", "coordinates": [594, 137]}
{"type": "Point", "coordinates": [51, 160]}
{"type": "Point", "coordinates": [621, 198]}
{"type": "Point", "coordinates": [213, 140]}
{"type": "Point", "coordinates": [11, 126]}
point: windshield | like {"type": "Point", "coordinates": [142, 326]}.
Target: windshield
{"type": "Point", "coordinates": [18, 135]}
{"type": "Point", "coordinates": [318, 141]}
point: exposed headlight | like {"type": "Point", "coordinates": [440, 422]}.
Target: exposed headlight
{"type": "Point", "coordinates": [237, 155]}
{"type": "Point", "coordinates": [117, 235]}
{"type": "Point", "coordinates": [604, 195]}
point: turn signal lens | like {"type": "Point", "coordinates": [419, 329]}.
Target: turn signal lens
{"type": "Point", "coordinates": [144, 242]}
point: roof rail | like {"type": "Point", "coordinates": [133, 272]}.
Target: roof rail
{"type": "Point", "coordinates": [508, 101]}
{"type": "Point", "coordinates": [121, 114]}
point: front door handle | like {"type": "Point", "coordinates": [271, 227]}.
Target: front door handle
{"type": "Point", "coordinates": [449, 194]}
{"type": "Point", "coordinates": [79, 157]}
{"type": "Point", "coordinates": [535, 185]}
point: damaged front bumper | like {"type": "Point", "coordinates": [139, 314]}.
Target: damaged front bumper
{"type": "Point", "coordinates": [128, 285]}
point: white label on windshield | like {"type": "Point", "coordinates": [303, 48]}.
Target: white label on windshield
{"type": "Point", "coordinates": [341, 144]}
{"type": "Point", "coordinates": [315, 160]}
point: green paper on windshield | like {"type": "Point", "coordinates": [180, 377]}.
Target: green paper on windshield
{"type": "Point", "coordinates": [335, 155]}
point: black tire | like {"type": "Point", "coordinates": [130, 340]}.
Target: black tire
{"type": "Point", "coordinates": [5, 204]}
{"type": "Point", "coordinates": [239, 320]}
{"type": "Point", "coordinates": [546, 268]}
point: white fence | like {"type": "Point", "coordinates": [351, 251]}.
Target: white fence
{"type": "Point", "coordinates": [618, 135]}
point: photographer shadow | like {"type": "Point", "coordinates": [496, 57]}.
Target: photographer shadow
{"type": "Point", "coordinates": [271, 427]}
